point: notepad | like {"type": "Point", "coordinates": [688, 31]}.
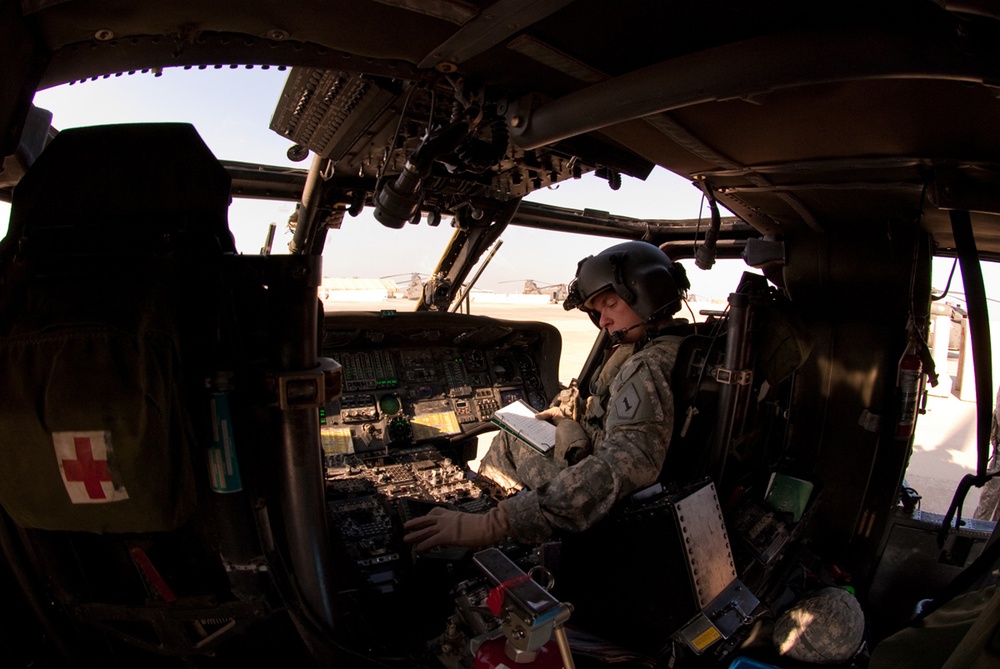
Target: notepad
{"type": "Point", "coordinates": [519, 419]}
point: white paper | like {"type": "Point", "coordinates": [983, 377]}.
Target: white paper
{"type": "Point", "coordinates": [519, 419]}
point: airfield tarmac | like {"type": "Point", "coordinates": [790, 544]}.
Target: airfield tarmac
{"type": "Point", "coordinates": [944, 447]}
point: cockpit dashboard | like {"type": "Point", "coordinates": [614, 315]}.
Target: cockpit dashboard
{"type": "Point", "coordinates": [430, 378]}
{"type": "Point", "coordinates": [418, 391]}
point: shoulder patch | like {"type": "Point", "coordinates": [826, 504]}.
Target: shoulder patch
{"type": "Point", "coordinates": [627, 402]}
{"type": "Point", "coordinates": [634, 399]}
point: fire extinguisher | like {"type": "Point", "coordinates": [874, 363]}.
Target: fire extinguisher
{"type": "Point", "coordinates": [910, 375]}
{"type": "Point", "coordinates": [493, 654]}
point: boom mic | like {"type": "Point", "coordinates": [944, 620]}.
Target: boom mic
{"type": "Point", "coordinates": [617, 336]}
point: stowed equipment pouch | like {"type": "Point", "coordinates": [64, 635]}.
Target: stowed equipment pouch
{"type": "Point", "coordinates": [93, 433]}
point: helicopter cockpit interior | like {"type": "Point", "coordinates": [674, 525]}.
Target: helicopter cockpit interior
{"type": "Point", "coordinates": [204, 467]}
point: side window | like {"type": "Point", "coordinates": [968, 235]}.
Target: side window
{"type": "Point", "coordinates": [945, 440]}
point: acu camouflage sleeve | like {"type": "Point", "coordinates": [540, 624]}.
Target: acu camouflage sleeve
{"type": "Point", "coordinates": [637, 433]}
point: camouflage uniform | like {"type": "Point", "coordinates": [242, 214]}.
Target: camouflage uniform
{"type": "Point", "coordinates": [618, 447]}
{"type": "Point", "coordinates": [989, 499]}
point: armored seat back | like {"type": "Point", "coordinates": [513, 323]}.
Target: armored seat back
{"type": "Point", "coordinates": [106, 321]}
{"type": "Point", "coordinates": [111, 303]}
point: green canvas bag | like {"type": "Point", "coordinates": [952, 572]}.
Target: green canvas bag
{"type": "Point", "coordinates": [93, 433]}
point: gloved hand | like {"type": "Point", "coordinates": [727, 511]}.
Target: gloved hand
{"type": "Point", "coordinates": [552, 414]}
{"type": "Point", "coordinates": [568, 403]}
{"type": "Point", "coordinates": [455, 528]}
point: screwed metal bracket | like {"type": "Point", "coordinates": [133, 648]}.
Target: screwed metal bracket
{"type": "Point", "coordinates": [734, 377]}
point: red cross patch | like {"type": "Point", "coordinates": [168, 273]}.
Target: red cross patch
{"type": "Point", "coordinates": [83, 465]}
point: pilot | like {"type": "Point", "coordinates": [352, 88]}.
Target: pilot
{"type": "Point", "coordinates": [609, 448]}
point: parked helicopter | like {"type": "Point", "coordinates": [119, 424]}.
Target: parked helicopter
{"type": "Point", "coordinates": [201, 468]}
{"type": "Point", "coordinates": [556, 291]}
{"type": "Point", "coordinates": [415, 286]}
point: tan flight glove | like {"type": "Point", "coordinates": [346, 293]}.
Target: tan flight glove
{"type": "Point", "coordinates": [568, 402]}
{"type": "Point", "coordinates": [455, 528]}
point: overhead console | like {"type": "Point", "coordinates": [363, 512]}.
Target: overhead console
{"type": "Point", "coordinates": [358, 122]}
{"type": "Point", "coordinates": [423, 378]}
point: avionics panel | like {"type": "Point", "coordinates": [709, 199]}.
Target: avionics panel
{"type": "Point", "coordinates": [370, 495]}
{"type": "Point", "coordinates": [421, 378]}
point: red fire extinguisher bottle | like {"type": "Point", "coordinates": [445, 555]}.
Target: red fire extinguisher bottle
{"type": "Point", "coordinates": [492, 655]}
{"type": "Point", "coordinates": [910, 373]}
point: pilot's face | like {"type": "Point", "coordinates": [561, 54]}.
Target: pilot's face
{"type": "Point", "coordinates": [616, 316]}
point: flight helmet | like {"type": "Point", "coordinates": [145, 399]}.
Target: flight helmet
{"type": "Point", "coordinates": [640, 273]}
{"type": "Point", "coordinates": [825, 627]}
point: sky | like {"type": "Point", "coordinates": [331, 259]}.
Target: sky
{"type": "Point", "coordinates": [232, 108]}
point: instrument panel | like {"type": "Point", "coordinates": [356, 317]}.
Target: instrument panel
{"type": "Point", "coordinates": [370, 496]}
{"type": "Point", "coordinates": [416, 378]}
{"type": "Point", "coordinates": [417, 390]}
